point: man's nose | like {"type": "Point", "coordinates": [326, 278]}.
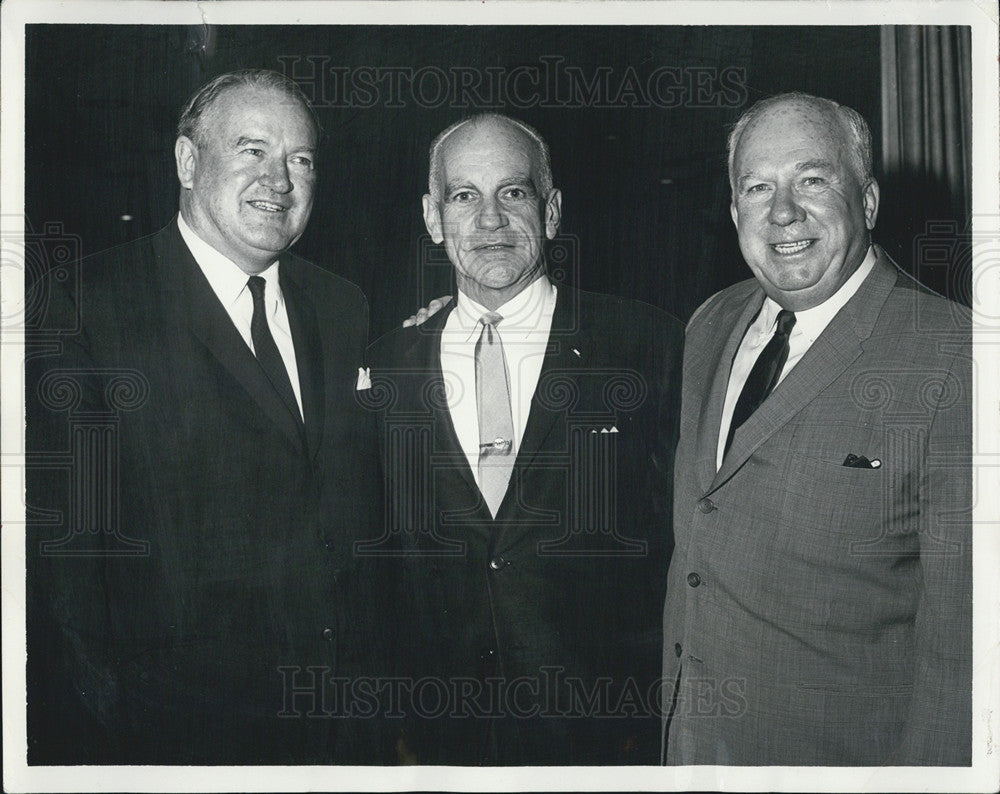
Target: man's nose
{"type": "Point", "coordinates": [785, 208]}
{"type": "Point", "coordinates": [275, 175]}
{"type": "Point", "coordinates": [491, 214]}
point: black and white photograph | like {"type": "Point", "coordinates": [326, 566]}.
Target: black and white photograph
{"type": "Point", "coordinates": [500, 396]}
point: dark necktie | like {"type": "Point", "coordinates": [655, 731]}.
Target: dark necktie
{"type": "Point", "coordinates": [496, 427]}
{"type": "Point", "coordinates": [764, 375]}
{"type": "Point", "coordinates": [267, 351]}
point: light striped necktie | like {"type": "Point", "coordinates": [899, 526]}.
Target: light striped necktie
{"type": "Point", "coordinates": [496, 427]}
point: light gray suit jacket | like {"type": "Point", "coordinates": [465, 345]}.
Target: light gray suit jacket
{"type": "Point", "coordinates": [816, 613]}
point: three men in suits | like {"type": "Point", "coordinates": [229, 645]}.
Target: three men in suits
{"type": "Point", "coordinates": [527, 433]}
{"type": "Point", "coordinates": [819, 600]}
{"type": "Point", "coordinates": [200, 469]}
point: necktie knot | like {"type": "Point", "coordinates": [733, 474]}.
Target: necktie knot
{"type": "Point", "coordinates": [256, 286]}
{"type": "Point", "coordinates": [489, 321]}
{"type": "Point", "coordinates": [786, 322]}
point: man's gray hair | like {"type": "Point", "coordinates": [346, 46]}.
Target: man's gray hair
{"type": "Point", "coordinates": [190, 124]}
{"type": "Point", "coordinates": [543, 160]}
{"type": "Point", "coordinates": [859, 137]}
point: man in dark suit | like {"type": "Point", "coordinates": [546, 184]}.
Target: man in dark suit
{"type": "Point", "coordinates": [199, 469]}
{"type": "Point", "coordinates": [819, 602]}
{"type": "Point", "coordinates": [527, 432]}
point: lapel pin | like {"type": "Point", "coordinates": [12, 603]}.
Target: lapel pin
{"type": "Point", "coordinates": [577, 352]}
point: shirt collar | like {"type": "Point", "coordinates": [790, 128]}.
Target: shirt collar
{"type": "Point", "coordinates": [225, 277]}
{"type": "Point", "coordinates": [811, 322]}
{"type": "Point", "coordinates": [521, 314]}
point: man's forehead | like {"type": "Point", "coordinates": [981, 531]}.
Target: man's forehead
{"type": "Point", "coordinates": [809, 135]}
{"type": "Point", "coordinates": [239, 105]}
{"type": "Point", "coordinates": [488, 135]}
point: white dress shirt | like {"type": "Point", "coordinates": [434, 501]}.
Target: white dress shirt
{"type": "Point", "coordinates": [524, 333]}
{"type": "Point", "coordinates": [809, 324]}
{"type": "Point", "coordinates": [230, 286]}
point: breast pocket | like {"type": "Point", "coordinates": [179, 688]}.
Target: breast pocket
{"type": "Point", "coordinates": [826, 498]}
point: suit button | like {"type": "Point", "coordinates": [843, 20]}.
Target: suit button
{"type": "Point", "coordinates": [327, 634]}
{"type": "Point", "coordinates": [497, 563]}
{"type": "Point", "coordinates": [693, 579]}
{"type": "Point", "coordinates": [677, 649]}
{"type": "Point", "coordinates": [705, 505]}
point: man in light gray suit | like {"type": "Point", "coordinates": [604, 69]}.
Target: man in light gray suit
{"type": "Point", "coordinates": [819, 601]}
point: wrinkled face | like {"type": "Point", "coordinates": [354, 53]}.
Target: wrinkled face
{"type": "Point", "coordinates": [490, 215]}
{"type": "Point", "coordinates": [250, 181]}
{"type": "Point", "coordinates": [801, 212]}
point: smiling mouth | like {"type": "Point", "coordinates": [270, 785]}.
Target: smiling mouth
{"type": "Point", "coordinates": [266, 206]}
{"type": "Point", "coordinates": [787, 249]}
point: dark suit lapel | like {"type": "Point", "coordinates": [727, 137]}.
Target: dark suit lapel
{"type": "Point", "coordinates": [308, 356]}
{"type": "Point", "coordinates": [837, 347]}
{"type": "Point", "coordinates": [711, 409]}
{"type": "Point", "coordinates": [560, 362]}
{"type": "Point", "coordinates": [424, 355]}
{"type": "Point", "coordinates": [210, 323]}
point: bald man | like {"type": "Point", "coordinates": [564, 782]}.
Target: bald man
{"type": "Point", "coordinates": [528, 431]}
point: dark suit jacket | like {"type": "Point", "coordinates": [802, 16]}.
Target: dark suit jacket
{"type": "Point", "coordinates": [818, 613]}
{"type": "Point", "coordinates": [534, 638]}
{"type": "Point", "coordinates": [189, 551]}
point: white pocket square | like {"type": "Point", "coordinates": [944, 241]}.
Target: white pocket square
{"type": "Point", "coordinates": [611, 429]}
{"type": "Point", "coordinates": [364, 378]}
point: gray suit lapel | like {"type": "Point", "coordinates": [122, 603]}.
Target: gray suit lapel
{"type": "Point", "coordinates": [837, 348]}
{"type": "Point", "coordinates": [711, 409]}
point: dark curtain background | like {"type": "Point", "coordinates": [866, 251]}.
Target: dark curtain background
{"type": "Point", "coordinates": [927, 153]}
{"type": "Point", "coordinates": [636, 118]}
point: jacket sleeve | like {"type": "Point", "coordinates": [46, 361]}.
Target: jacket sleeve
{"type": "Point", "coordinates": [938, 730]}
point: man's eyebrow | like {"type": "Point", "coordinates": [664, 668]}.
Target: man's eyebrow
{"type": "Point", "coordinates": [823, 165]}
{"type": "Point", "coordinates": [521, 180]}
{"type": "Point", "coordinates": [746, 176]}
{"type": "Point", "coordinates": [451, 187]}
{"type": "Point", "coordinates": [243, 140]}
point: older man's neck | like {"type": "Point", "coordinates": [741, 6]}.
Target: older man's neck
{"type": "Point", "coordinates": [492, 298]}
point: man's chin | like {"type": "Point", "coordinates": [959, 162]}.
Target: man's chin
{"type": "Point", "coordinates": [270, 242]}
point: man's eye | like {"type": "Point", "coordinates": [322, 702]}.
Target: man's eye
{"type": "Point", "coordinates": [517, 193]}
{"type": "Point", "coordinates": [253, 152]}
{"type": "Point", "coordinates": [303, 161]}
{"type": "Point", "coordinates": [759, 188]}
{"type": "Point", "coordinates": [463, 197]}
{"type": "Point", "coordinates": [813, 181]}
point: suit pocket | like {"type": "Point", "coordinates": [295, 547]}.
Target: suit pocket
{"type": "Point", "coordinates": [824, 497]}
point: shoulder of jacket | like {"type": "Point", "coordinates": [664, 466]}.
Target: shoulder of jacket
{"type": "Point", "coordinates": [724, 300]}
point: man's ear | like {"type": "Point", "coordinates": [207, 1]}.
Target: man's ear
{"type": "Point", "coordinates": [734, 214]}
{"type": "Point", "coordinates": [186, 155]}
{"type": "Point", "coordinates": [432, 218]}
{"type": "Point", "coordinates": [553, 212]}
{"type": "Point", "coordinates": [871, 196]}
